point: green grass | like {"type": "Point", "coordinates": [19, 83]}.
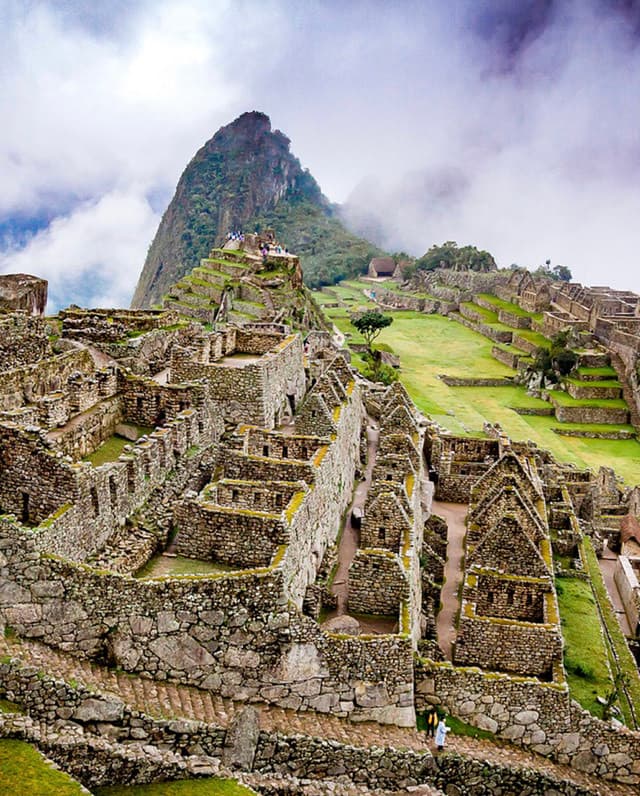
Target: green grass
{"type": "Point", "coordinates": [210, 786]}
{"type": "Point", "coordinates": [487, 315]}
{"type": "Point", "coordinates": [605, 372]}
{"type": "Point", "coordinates": [429, 345]}
{"type": "Point", "coordinates": [606, 383]}
{"type": "Point", "coordinates": [112, 447]}
{"type": "Point", "coordinates": [514, 309]}
{"type": "Point", "coordinates": [109, 450]}
{"type": "Point", "coordinates": [180, 565]}
{"type": "Point", "coordinates": [565, 399]}
{"type": "Point", "coordinates": [625, 661]}
{"type": "Point", "coordinates": [533, 337]}
{"type": "Point", "coordinates": [585, 654]}
{"type": "Point", "coordinates": [24, 772]}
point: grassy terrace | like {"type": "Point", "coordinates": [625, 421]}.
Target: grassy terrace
{"type": "Point", "coordinates": [585, 654]}
{"type": "Point", "coordinates": [533, 337]}
{"type": "Point", "coordinates": [112, 447]}
{"type": "Point", "coordinates": [613, 383]}
{"type": "Point", "coordinates": [488, 317]}
{"type": "Point", "coordinates": [161, 565]}
{"type": "Point", "coordinates": [564, 399]}
{"type": "Point", "coordinates": [429, 345]}
{"type": "Point", "coordinates": [514, 309]}
{"type": "Point", "coordinates": [393, 287]}
{"type": "Point", "coordinates": [605, 372]}
{"type": "Point", "coordinates": [24, 772]}
{"type": "Point", "coordinates": [210, 786]}
{"type": "Point", "coordinates": [620, 657]}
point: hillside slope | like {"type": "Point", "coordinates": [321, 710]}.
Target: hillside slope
{"type": "Point", "coordinates": [246, 178]}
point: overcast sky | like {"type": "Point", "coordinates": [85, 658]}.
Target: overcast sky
{"type": "Point", "coordinates": [513, 125]}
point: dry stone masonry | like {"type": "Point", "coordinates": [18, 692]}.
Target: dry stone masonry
{"type": "Point", "coordinates": [211, 431]}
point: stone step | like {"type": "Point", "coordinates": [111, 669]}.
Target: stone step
{"type": "Point", "coordinates": [169, 699]}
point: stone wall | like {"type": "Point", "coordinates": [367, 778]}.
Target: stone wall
{"type": "Point", "coordinates": [84, 436]}
{"type": "Point", "coordinates": [27, 383]}
{"type": "Point", "coordinates": [513, 319]}
{"type": "Point", "coordinates": [628, 583]}
{"type": "Point", "coordinates": [538, 716]}
{"type": "Point", "coordinates": [507, 646]}
{"type": "Point", "coordinates": [76, 506]}
{"type": "Point", "coordinates": [233, 634]}
{"type": "Point", "coordinates": [256, 392]}
{"type": "Point", "coordinates": [23, 293]}
{"type": "Point", "coordinates": [590, 414]}
{"type": "Point", "coordinates": [508, 358]}
{"type": "Point", "coordinates": [23, 340]}
{"type": "Point", "coordinates": [235, 536]}
{"type": "Point", "coordinates": [109, 325]}
{"type": "Point", "coordinates": [496, 334]}
{"type": "Point", "coordinates": [590, 392]}
{"type": "Point", "coordinates": [147, 403]}
{"type": "Point", "coordinates": [85, 746]}
{"type": "Point", "coordinates": [377, 583]}
{"type": "Point", "coordinates": [282, 446]}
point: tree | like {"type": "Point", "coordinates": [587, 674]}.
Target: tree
{"type": "Point", "coordinates": [370, 324]}
{"type": "Point", "coordinates": [561, 273]}
{"type": "Point", "coordinates": [450, 255]}
{"type": "Point", "coordinates": [550, 364]}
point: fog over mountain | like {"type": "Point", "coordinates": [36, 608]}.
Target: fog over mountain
{"type": "Point", "coordinates": [509, 125]}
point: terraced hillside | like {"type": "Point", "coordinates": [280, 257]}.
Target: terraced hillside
{"type": "Point", "coordinates": [438, 356]}
{"type": "Point", "coordinates": [239, 285]}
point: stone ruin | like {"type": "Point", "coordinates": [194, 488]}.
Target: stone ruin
{"type": "Point", "coordinates": [23, 293]}
{"type": "Point", "coordinates": [130, 437]}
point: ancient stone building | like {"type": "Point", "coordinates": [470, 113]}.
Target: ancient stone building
{"type": "Point", "coordinates": [509, 618]}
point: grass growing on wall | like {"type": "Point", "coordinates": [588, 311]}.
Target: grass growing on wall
{"type": "Point", "coordinates": [585, 654]}
{"type": "Point", "coordinates": [211, 786]}
{"type": "Point", "coordinates": [24, 772]}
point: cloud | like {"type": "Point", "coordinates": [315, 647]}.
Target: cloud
{"type": "Point", "coordinates": [90, 257]}
{"type": "Point", "coordinates": [508, 125]}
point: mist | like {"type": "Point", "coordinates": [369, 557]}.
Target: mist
{"type": "Point", "coordinates": [509, 126]}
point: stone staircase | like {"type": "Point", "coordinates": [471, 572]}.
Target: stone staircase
{"type": "Point", "coordinates": [161, 699]}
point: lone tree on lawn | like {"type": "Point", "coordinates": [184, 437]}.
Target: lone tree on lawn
{"type": "Point", "coordinates": [370, 324]}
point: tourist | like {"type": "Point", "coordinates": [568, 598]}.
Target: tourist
{"type": "Point", "coordinates": [432, 720]}
{"type": "Point", "coordinates": [441, 734]}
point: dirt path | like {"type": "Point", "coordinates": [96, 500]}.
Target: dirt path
{"type": "Point", "coordinates": [350, 535]}
{"type": "Point", "coordinates": [454, 514]}
{"type": "Point", "coordinates": [608, 567]}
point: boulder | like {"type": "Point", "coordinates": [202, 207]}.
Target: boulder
{"type": "Point", "coordinates": [242, 739]}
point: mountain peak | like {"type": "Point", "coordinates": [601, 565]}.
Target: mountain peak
{"type": "Point", "coordinates": [244, 178]}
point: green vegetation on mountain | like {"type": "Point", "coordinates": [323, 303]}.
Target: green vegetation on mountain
{"type": "Point", "coordinates": [458, 258]}
{"type": "Point", "coordinates": [246, 179]}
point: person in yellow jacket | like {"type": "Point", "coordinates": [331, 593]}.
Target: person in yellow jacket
{"type": "Point", "coordinates": [432, 721]}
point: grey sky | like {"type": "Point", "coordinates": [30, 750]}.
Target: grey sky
{"type": "Point", "coordinates": [510, 125]}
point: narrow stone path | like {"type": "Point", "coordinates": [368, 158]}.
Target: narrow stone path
{"type": "Point", "coordinates": [454, 514]}
{"type": "Point", "coordinates": [350, 536]}
{"type": "Point", "coordinates": [169, 700]}
{"type": "Point", "coordinates": [607, 567]}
